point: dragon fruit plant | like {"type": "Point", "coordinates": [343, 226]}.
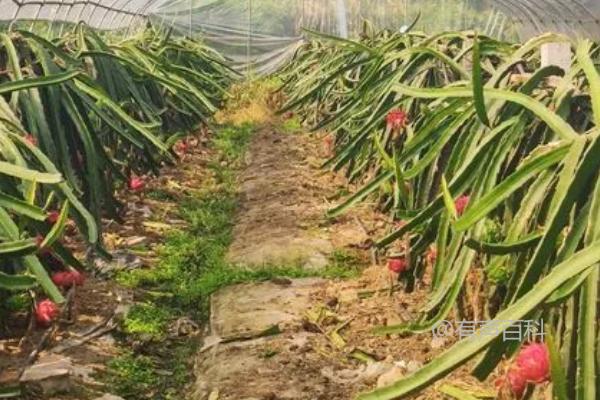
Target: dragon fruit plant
{"type": "Point", "coordinates": [522, 142]}
{"type": "Point", "coordinates": [119, 117]}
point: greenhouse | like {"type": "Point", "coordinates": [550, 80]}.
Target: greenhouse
{"type": "Point", "coordinates": [299, 199]}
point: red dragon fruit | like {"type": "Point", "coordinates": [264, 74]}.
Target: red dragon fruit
{"type": "Point", "coordinates": [533, 362]}
{"type": "Point", "coordinates": [78, 277]}
{"type": "Point", "coordinates": [531, 366]}
{"type": "Point", "coordinates": [31, 139]}
{"type": "Point", "coordinates": [397, 265]}
{"type": "Point", "coordinates": [182, 147]}
{"type": "Point", "coordinates": [52, 217]}
{"type": "Point", "coordinates": [461, 204]}
{"type": "Point", "coordinates": [396, 119]}
{"type": "Point", "coordinates": [516, 383]}
{"type": "Point", "coordinates": [68, 279]}
{"type": "Point", "coordinates": [46, 311]}
{"type": "Point", "coordinates": [62, 279]}
{"type": "Point", "coordinates": [136, 184]}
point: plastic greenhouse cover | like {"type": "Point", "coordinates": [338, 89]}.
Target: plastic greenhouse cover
{"type": "Point", "coordinates": [259, 34]}
{"type": "Point", "coordinates": [100, 14]}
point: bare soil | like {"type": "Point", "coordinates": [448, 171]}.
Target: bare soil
{"type": "Point", "coordinates": [282, 203]}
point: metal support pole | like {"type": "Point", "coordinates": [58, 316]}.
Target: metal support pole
{"type": "Point", "coordinates": [302, 18]}
{"type": "Point", "coordinates": [67, 19]}
{"type": "Point", "coordinates": [249, 38]}
{"type": "Point", "coordinates": [15, 15]}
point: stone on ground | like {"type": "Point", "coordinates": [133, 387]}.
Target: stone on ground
{"type": "Point", "coordinates": [48, 376]}
{"type": "Point", "coordinates": [251, 310]}
{"type": "Point", "coordinates": [109, 397]}
{"type": "Point", "coordinates": [260, 345]}
{"type": "Point", "coordinates": [242, 363]}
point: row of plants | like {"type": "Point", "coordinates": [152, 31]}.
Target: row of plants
{"type": "Point", "coordinates": [81, 117]}
{"type": "Point", "coordinates": [487, 163]}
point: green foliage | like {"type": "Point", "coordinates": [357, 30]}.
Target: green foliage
{"type": "Point", "coordinates": [132, 375]}
{"type": "Point", "coordinates": [498, 274]}
{"type": "Point", "coordinates": [18, 302]}
{"type": "Point", "coordinates": [243, 94]}
{"type": "Point", "coordinates": [231, 141]}
{"type": "Point", "coordinates": [343, 264]}
{"type": "Point", "coordinates": [160, 195]}
{"type": "Point", "coordinates": [268, 353]}
{"type": "Point", "coordinates": [146, 320]}
{"type": "Point", "coordinates": [11, 303]}
{"type": "Point", "coordinates": [292, 125]}
{"type": "Point", "coordinates": [137, 376]}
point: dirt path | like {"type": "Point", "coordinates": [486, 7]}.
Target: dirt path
{"type": "Point", "coordinates": [282, 194]}
{"type": "Point", "coordinates": [257, 330]}
{"type": "Point", "coordinates": [304, 339]}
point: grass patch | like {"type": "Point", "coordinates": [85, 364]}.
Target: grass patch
{"type": "Point", "coordinates": [269, 353]}
{"type": "Point", "coordinates": [189, 263]}
{"type": "Point", "coordinates": [160, 195]}
{"type": "Point", "coordinates": [292, 125]}
{"type": "Point", "coordinates": [19, 302]}
{"type": "Point", "coordinates": [344, 264]}
{"type": "Point", "coordinates": [11, 303]}
{"type": "Point", "coordinates": [231, 142]}
{"type": "Point", "coordinates": [248, 102]}
{"type": "Point", "coordinates": [130, 375]}
{"type": "Point", "coordinates": [147, 321]}
{"type": "Point", "coordinates": [160, 376]}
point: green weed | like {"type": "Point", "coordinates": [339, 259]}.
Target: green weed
{"type": "Point", "coordinates": [161, 195]}
{"type": "Point", "coordinates": [18, 302]}
{"type": "Point", "coordinates": [132, 375]}
{"type": "Point", "coordinates": [231, 141]}
{"type": "Point", "coordinates": [161, 376]}
{"type": "Point", "coordinates": [147, 320]}
{"type": "Point", "coordinates": [291, 125]}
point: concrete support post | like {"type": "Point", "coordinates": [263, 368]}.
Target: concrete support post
{"type": "Point", "coordinates": [342, 20]}
{"type": "Point", "coordinates": [558, 54]}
